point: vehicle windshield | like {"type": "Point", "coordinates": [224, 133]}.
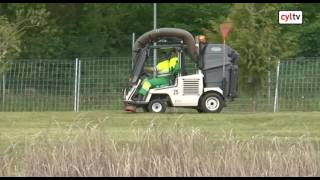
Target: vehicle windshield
{"type": "Point", "coordinates": [145, 58]}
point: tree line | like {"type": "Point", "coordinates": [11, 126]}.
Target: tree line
{"type": "Point", "coordinates": [105, 29]}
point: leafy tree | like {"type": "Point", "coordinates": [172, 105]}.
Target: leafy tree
{"type": "Point", "coordinates": [257, 36]}
{"type": "Point", "coordinates": [9, 42]}
{"type": "Point", "coordinates": [43, 40]}
{"type": "Point", "coordinates": [306, 35]}
{"type": "Point", "coordinates": [106, 29]}
{"type": "Point", "coordinates": [71, 30]}
{"type": "Point", "coordinates": [194, 17]}
{"type": "Point", "coordinates": [309, 35]}
{"type": "Point", "coordinates": [100, 29]}
{"type": "Point", "coordinates": [11, 33]}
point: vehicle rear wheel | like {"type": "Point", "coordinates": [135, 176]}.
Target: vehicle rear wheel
{"type": "Point", "coordinates": [157, 106]}
{"type": "Point", "coordinates": [211, 103]}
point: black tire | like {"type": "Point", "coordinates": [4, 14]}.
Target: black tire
{"type": "Point", "coordinates": [199, 110]}
{"type": "Point", "coordinates": [211, 103]}
{"type": "Point", "coordinates": [145, 108]}
{"type": "Point", "coordinates": [157, 106]}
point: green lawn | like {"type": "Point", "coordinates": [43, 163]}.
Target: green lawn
{"type": "Point", "coordinates": [18, 127]}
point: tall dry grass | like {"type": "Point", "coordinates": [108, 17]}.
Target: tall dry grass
{"type": "Point", "coordinates": [164, 152]}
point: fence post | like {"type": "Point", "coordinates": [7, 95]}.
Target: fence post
{"type": "Point", "coordinates": [276, 94]}
{"type": "Point", "coordinates": [133, 40]}
{"type": "Point", "coordinates": [3, 89]}
{"type": "Point", "coordinates": [154, 44]}
{"type": "Point", "coordinates": [75, 86]}
{"type": "Point", "coordinates": [78, 89]}
{"type": "Point", "coordinates": [269, 85]}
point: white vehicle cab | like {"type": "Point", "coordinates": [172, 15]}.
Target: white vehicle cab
{"type": "Point", "coordinates": [207, 90]}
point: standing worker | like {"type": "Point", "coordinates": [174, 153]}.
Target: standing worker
{"type": "Point", "coordinates": [167, 69]}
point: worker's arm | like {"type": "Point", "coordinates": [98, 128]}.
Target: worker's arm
{"type": "Point", "coordinates": [176, 69]}
{"type": "Point", "coordinates": [149, 69]}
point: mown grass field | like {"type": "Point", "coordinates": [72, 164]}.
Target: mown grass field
{"type": "Point", "coordinates": [19, 127]}
{"type": "Point", "coordinates": [110, 143]}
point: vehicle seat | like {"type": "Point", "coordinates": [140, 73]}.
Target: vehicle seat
{"type": "Point", "coordinates": [173, 82]}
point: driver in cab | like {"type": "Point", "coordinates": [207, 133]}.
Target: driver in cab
{"type": "Point", "coordinates": [167, 68]}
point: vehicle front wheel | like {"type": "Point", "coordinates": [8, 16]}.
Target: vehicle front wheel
{"type": "Point", "coordinates": [157, 106]}
{"type": "Point", "coordinates": [199, 110]}
{"type": "Point", "coordinates": [211, 103]}
{"type": "Point", "coordinates": [145, 109]}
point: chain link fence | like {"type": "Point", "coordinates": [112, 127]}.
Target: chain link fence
{"type": "Point", "coordinates": [87, 84]}
{"type": "Point", "coordinates": [299, 85]}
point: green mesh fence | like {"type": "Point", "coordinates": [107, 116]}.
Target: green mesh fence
{"type": "Point", "coordinates": [98, 84]}
{"type": "Point", "coordinates": [299, 85]}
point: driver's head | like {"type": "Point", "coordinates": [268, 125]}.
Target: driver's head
{"type": "Point", "coordinates": [174, 52]}
{"type": "Point", "coordinates": [164, 55]}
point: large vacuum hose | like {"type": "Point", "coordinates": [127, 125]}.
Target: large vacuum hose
{"type": "Point", "coordinates": [153, 35]}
